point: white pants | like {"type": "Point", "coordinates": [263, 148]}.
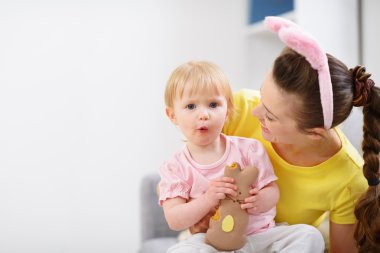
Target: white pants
{"type": "Point", "coordinates": [298, 238]}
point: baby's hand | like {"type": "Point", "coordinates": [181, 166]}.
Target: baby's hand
{"type": "Point", "coordinates": [252, 203]}
{"type": "Point", "coordinates": [219, 188]}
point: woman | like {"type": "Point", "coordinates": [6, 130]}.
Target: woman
{"type": "Point", "coordinates": [303, 100]}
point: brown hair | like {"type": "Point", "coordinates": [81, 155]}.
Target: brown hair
{"type": "Point", "coordinates": [351, 87]}
{"type": "Point", "coordinates": [294, 75]}
{"type": "Point", "coordinates": [367, 211]}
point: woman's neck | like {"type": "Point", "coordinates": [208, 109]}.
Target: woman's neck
{"type": "Point", "coordinates": [310, 152]}
{"type": "Point", "coordinates": [208, 154]}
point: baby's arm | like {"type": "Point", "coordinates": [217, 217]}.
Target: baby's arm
{"type": "Point", "coordinates": [181, 215]}
{"type": "Point", "coordinates": [262, 200]}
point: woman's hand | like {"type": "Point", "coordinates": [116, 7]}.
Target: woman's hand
{"type": "Point", "coordinates": [203, 224]}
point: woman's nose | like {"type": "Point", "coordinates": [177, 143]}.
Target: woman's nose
{"type": "Point", "coordinates": [258, 111]}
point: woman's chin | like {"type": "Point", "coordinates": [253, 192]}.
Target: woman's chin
{"type": "Point", "coordinates": [267, 136]}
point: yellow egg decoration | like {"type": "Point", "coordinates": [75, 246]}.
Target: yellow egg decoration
{"type": "Point", "coordinates": [216, 216]}
{"type": "Point", "coordinates": [228, 223]}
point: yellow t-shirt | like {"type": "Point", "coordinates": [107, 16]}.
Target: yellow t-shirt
{"type": "Point", "coordinates": [306, 193]}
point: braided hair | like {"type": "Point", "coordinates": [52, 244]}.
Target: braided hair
{"type": "Point", "coordinates": [367, 210]}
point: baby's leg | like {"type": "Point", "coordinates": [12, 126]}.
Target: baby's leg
{"type": "Point", "coordinates": [193, 244]}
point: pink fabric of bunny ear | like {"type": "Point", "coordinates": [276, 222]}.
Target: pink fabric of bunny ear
{"type": "Point", "coordinates": [276, 23]}
{"type": "Point", "coordinates": [301, 42]}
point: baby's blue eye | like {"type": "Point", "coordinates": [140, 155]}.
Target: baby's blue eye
{"type": "Point", "coordinates": [190, 106]}
{"type": "Point", "coordinates": [213, 104]}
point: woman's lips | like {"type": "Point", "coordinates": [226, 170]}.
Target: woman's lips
{"type": "Point", "coordinates": [264, 129]}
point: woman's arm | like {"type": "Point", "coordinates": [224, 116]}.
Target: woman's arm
{"type": "Point", "coordinates": [181, 215]}
{"type": "Point", "coordinates": [342, 238]}
{"type": "Point", "coordinates": [262, 200]}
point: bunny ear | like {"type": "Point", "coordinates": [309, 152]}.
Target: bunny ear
{"type": "Point", "coordinates": [304, 44]}
{"type": "Point", "coordinates": [276, 23]}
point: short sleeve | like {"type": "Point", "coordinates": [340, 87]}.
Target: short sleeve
{"type": "Point", "coordinates": [172, 183]}
{"type": "Point", "coordinates": [344, 205]}
{"type": "Point", "coordinates": [258, 157]}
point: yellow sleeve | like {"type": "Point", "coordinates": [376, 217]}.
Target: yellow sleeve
{"type": "Point", "coordinates": [343, 211]}
{"type": "Point", "coordinates": [344, 203]}
{"type": "Point", "coordinates": [242, 123]}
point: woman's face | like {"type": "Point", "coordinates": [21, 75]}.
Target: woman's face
{"type": "Point", "coordinates": [276, 114]}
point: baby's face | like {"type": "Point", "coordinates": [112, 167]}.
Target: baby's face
{"type": "Point", "coordinates": [200, 116]}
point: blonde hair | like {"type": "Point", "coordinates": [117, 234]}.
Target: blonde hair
{"type": "Point", "coordinates": [199, 76]}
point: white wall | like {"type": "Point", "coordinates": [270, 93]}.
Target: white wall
{"type": "Point", "coordinates": [371, 42]}
{"type": "Point", "coordinates": [82, 116]}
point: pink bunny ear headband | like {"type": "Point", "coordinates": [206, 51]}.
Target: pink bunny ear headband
{"type": "Point", "coordinates": [301, 42]}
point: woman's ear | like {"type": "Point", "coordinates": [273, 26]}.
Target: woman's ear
{"type": "Point", "coordinates": [316, 133]}
{"type": "Point", "coordinates": [171, 115]}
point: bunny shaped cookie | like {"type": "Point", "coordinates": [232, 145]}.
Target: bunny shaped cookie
{"type": "Point", "coordinates": [227, 228]}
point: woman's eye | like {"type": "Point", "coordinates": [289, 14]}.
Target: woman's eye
{"type": "Point", "coordinates": [213, 104]}
{"type": "Point", "coordinates": [190, 106]}
{"type": "Point", "coordinates": [267, 117]}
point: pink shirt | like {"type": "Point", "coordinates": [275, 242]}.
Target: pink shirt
{"type": "Point", "coordinates": [182, 177]}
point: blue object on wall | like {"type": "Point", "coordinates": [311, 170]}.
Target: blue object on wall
{"type": "Point", "coordinates": [259, 9]}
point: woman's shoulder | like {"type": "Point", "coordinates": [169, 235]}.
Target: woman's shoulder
{"type": "Point", "coordinates": [242, 123]}
{"type": "Point", "coordinates": [246, 97]}
{"type": "Point", "coordinates": [349, 151]}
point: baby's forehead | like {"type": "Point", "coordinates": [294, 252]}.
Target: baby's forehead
{"type": "Point", "coordinates": [197, 90]}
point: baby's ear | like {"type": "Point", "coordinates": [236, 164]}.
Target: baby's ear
{"type": "Point", "coordinates": [171, 115]}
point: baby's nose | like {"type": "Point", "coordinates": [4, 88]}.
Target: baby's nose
{"type": "Point", "coordinates": [204, 115]}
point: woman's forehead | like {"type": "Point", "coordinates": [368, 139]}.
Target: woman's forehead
{"type": "Point", "coordinates": [276, 100]}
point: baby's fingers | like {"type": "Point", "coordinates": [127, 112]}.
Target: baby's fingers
{"type": "Point", "coordinates": [248, 206]}
{"type": "Point", "coordinates": [250, 199]}
{"type": "Point", "coordinates": [230, 190]}
{"type": "Point", "coordinates": [253, 191]}
{"type": "Point", "coordinates": [224, 182]}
